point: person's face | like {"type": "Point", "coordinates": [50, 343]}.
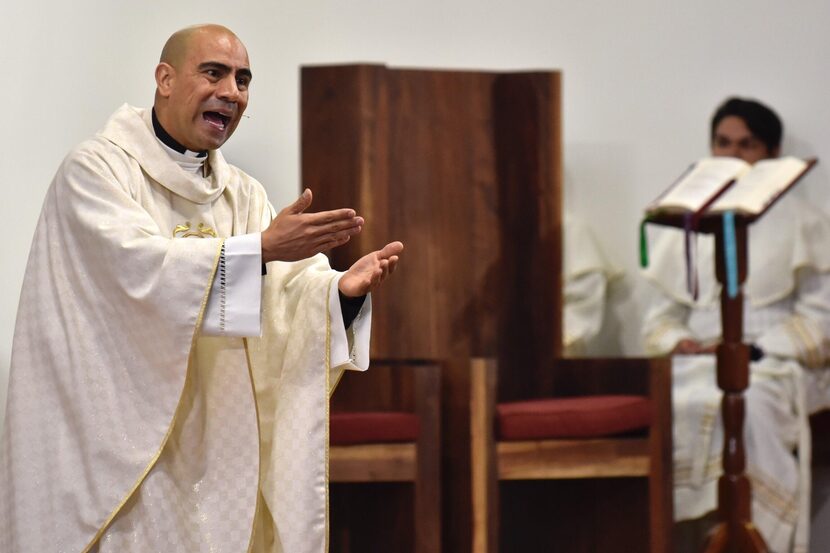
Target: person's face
{"type": "Point", "coordinates": [733, 138]}
{"type": "Point", "coordinates": [208, 93]}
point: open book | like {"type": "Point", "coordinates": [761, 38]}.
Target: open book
{"type": "Point", "coordinates": [719, 184]}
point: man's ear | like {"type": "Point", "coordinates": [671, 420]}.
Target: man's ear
{"type": "Point", "coordinates": [165, 75]}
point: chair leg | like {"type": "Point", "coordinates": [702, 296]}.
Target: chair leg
{"type": "Point", "coordinates": [428, 468]}
{"type": "Point", "coordinates": [484, 470]}
{"type": "Point", "coordinates": [661, 481]}
{"type": "Point", "coordinates": [427, 516]}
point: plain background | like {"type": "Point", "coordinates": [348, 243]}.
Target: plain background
{"type": "Point", "coordinates": [641, 79]}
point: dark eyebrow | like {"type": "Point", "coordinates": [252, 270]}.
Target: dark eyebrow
{"type": "Point", "coordinates": [226, 69]}
{"type": "Point", "coordinates": [245, 72]}
{"type": "Point", "coordinates": [213, 65]}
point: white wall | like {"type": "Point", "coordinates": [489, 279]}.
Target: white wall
{"type": "Point", "coordinates": [640, 81]}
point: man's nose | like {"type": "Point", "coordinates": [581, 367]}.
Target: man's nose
{"type": "Point", "coordinates": [228, 89]}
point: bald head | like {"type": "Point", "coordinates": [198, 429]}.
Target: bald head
{"type": "Point", "coordinates": [175, 48]}
{"type": "Point", "coordinates": [202, 85]}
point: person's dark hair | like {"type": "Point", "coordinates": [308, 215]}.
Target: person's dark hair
{"type": "Point", "coordinates": [760, 120]}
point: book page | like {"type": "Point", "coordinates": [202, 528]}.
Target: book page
{"type": "Point", "coordinates": [701, 183]}
{"type": "Point", "coordinates": [760, 186]}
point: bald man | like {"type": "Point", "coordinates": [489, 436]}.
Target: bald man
{"type": "Point", "coordinates": [177, 339]}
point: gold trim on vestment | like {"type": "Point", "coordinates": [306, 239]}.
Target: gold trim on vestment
{"type": "Point", "coordinates": [328, 403]}
{"type": "Point", "coordinates": [782, 503]}
{"type": "Point", "coordinates": [336, 383]}
{"type": "Point", "coordinates": [259, 447]}
{"type": "Point", "coordinates": [792, 330]}
{"type": "Point", "coordinates": [654, 341]}
{"type": "Point", "coordinates": [155, 458]}
{"type": "Point", "coordinates": [810, 349]}
{"type": "Point", "coordinates": [777, 500]}
{"type": "Point", "coordinates": [202, 231]}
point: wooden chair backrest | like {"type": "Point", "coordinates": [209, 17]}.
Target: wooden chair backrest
{"type": "Point", "coordinates": [465, 168]}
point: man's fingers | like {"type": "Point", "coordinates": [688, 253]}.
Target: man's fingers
{"type": "Point", "coordinates": [384, 269]}
{"type": "Point", "coordinates": [340, 236]}
{"type": "Point", "coordinates": [393, 248]}
{"type": "Point", "coordinates": [393, 262]}
{"type": "Point", "coordinates": [301, 204]}
{"type": "Point", "coordinates": [333, 216]}
{"type": "Point", "coordinates": [352, 225]}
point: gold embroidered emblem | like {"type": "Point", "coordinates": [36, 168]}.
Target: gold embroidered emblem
{"type": "Point", "coordinates": [186, 231]}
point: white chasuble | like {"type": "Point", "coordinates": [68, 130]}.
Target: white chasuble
{"type": "Point", "coordinates": [786, 314]}
{"type": "Point", "coordinates": [125, 429]}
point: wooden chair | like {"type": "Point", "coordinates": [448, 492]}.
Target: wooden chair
{"type": "Point", "coordinates": [610, 418]}
{"type": "Point", "coordinates": [390, 437]}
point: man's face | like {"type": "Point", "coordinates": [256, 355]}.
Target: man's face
{"type": "Point", "coordinates": [208, 92]}
{"type": "Point", "coordinates": [733, 138]}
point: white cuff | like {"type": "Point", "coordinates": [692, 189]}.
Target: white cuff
{"type": "Point", "coordinates": [234, 307]}
{"type": "Point", "coordinates": [349, 346]}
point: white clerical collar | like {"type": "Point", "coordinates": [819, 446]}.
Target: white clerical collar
{"type": "Point", "coordinates": [187, 161]}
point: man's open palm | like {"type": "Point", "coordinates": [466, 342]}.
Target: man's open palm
{"type": "Point", "coordinates": [368, 272]}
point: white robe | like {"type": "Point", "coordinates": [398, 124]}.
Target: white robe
{"type": "Point", "coordinates": [586, 273]}
{"type": "Point", "coordinates": [787, 314]}
{"type": "Point", "coordinates": [124, 424]}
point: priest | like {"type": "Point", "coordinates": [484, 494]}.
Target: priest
{"type": "Point", "coordinates": [177, 339]}
{"type": "Point", "coordinates": [787, 323]}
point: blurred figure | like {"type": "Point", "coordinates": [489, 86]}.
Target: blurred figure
{"type": "Point", "coordinates": [587, 273]}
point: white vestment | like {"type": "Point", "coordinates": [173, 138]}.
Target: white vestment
{"type": "Point", "coordinates": [126, 429]}
{"type": "Point", "coordinates": [586, 273]}
{"type": "Point", "coordinates": [786, 314]}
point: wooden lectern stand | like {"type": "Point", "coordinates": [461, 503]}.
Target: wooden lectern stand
{"type": "Point", "coordinates": [735, 532]}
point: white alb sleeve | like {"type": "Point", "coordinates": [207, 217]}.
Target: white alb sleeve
{"type": "Point", "coordinates": [350, 346]}
{"type": "Point", "coordinates": [583, 309]}
{"type": "Point", "coordinates": [234, 307]}
{"type": "Point", "coordinates": [665, 324]}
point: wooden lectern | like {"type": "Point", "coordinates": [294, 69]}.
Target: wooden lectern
{"type": "Point", "coordinates": [735, 532]}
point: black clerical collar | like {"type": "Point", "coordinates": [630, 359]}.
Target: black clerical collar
{"type": "Point", "coordinates": [171, 142]}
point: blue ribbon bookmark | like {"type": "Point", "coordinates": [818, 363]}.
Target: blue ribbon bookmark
{"type": "Point", "coordinates": [730, 253]}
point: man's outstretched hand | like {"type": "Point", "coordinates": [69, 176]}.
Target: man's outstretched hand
{"type": "Point", "coordinates": [294, 235]}
{"type": "Point", "coordinates": [368, 272]}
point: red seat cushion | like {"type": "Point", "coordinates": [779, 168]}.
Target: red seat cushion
{"type": "Point", "coordinates": [572, 417]}
{"type": "Point", "coordinates": [372, 428]}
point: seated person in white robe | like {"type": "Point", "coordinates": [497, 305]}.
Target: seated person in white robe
{"type": "Point", "coordinates": [586, 275]}
{"type": "Point", "coordinates": [177, 339]}
{"type": "Point", "coordinates": [787, 322]}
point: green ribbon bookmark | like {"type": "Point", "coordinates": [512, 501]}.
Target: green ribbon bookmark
{"type": "Point", "coordinates": [643, 244]}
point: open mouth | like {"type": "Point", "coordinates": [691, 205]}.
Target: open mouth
{"type": "Point", "coordinates": [216, 119]}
